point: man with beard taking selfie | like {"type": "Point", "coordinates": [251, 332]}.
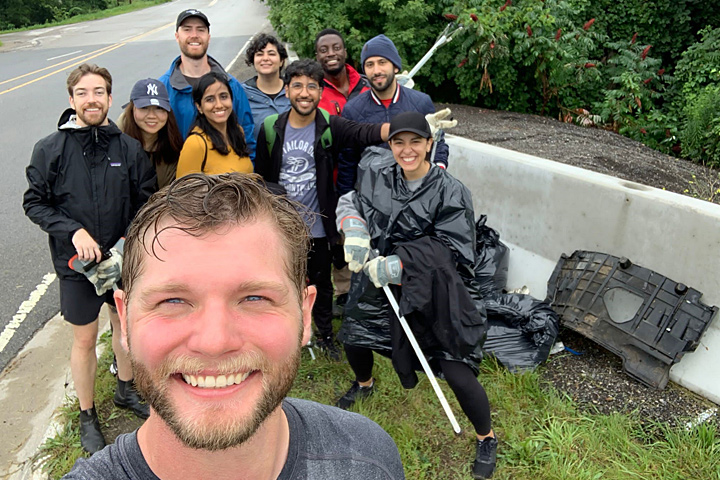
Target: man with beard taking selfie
{"type": "Point", "coordinates": [214, 311]}
{"type": "Point", "coordinates": [192, 32]}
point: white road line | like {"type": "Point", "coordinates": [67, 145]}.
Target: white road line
{"type": "Point", "coordinates": [65, 55]}
{"type": "Point", "coordinates": [25, 308]}
{"type": "Point", "coordinates": [242, 50]}
{"type": "Point", "coordinates": [238, 55]}
{"type": "Point", "coordinates": [212, 3]}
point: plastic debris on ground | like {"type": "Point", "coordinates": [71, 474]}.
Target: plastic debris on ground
{"type": "Point", "coordinates": [647, 319]}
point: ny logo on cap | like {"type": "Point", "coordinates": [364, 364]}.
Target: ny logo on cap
{"type": "Point", "coordinates": [152, 89]}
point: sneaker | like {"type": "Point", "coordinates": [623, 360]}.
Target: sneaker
{"type": "Point", "coordinates": [113, 366]}
{"type": "Point", "coordinates": [128, 398]}
{"type": "Point", "coordinates": [91, 438]}
{"type": "Point", "coordinates": [328, 346]}
{"type": "Point", "coordinates": [356, 392]}
{"type": "Point", "coordinates": [485, 458]}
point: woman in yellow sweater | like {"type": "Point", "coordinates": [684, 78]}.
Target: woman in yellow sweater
{"type": "Point", "coordinates": [216, 144]}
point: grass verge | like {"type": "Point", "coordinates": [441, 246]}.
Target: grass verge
{"type": "Point", "coordinates": [543, 436]}
{"type": "Point", "coordinates": [109, 12]}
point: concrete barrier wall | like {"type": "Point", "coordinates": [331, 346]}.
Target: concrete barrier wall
{"type": "Point", "coordinates": [543, 209]}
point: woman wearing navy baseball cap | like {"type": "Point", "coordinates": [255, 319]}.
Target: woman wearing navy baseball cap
{"type": "Point", "coordinates": [149, 119]}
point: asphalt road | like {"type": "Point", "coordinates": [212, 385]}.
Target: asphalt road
{"type": "Point", "coordinates": [33, 69]}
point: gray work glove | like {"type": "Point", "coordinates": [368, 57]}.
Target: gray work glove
{"type": "Point", "coordinates": [94, 278]}
{"type": "Point", "coordinates": [437, 121]}
{"type": "Point", "coordinates": [357, 242]}
{"type": "Point", "coordinates": [384, 270]}
{"type": "Point", "coordinates": [109, 272]}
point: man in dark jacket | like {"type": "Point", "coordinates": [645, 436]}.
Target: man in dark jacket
{"type": "Point", "coordinates": [300, 154]}
{"type": "Point", "coordinates": [86, 182]}
{"type": "Point", "coordinates": [386, 97]}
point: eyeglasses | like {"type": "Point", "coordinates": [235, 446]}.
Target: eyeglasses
{"type": "Point", "coordinates": [298, 87]}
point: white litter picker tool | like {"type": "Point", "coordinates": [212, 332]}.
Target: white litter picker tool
{"type": "Point", "coordinates": [405, 79]}
{"type": "Point", "coordinates": [420, 355]}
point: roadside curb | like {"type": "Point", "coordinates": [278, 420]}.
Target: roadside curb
{"type": "Point", "coordinates": [33, 388]}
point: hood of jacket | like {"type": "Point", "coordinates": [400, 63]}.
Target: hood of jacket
{"type": "Point", "coordinates": [177, 79]}
{"type": "Point", "coordinates": [91, 138]}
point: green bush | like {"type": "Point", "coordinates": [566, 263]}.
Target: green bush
{"type": "Point", "coordinates": [699, 65]}
{"type": "Point", "coordinates": [589, 61]}
{"type": "Point", "coordinates": [700, 132]}
{"type": "Point", "coordinates": [664, 24]}
{"type": "Point", "coordinates": [25, 13]}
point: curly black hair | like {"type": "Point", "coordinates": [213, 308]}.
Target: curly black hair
{"type": "Point", "coordinates": [304, 67]}
{"type": "Point", "coordinates": [260, 42]}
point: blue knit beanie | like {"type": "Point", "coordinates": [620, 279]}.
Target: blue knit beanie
{"type": "Point", "coordinates": [381, 46]}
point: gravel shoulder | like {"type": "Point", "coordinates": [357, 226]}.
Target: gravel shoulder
{"type": "Point", "coordinates": [590, 148]}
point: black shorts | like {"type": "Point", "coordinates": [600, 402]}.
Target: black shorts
{"type": "Point", "coordinates": [79, 304]}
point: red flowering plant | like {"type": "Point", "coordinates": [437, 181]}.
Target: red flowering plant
{"type": "Point", "coordinates": [565, 57]}
{"type": "Point", "coordinates": [543, 42]}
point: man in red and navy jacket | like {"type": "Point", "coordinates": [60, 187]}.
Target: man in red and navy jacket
{"type": "Point", "coordinates": [342, 82]}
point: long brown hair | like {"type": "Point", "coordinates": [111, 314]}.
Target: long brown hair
{"type": "Point", "coordinates": [169, 141]}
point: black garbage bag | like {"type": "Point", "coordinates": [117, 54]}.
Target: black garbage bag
{"type": "Point", "coordinates": [521, 330]}
{"type": "Point", "coordinates": [491, 267]}
{"type": "Point", "coordinates": [366, 321]}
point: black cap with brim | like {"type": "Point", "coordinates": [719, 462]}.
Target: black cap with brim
{"type": "Point", "coordinates": [413, 122]}
{"type": "Point", "coordinates": [184, 15]}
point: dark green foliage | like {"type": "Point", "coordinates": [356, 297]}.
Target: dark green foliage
{"type": "Point", "coordinates": [700, 64]}
{"type": "Point", "coordinates": [700, 132]}
{"type": "Point", "coordinates": [664, 24]}
{"type": "Point", "coordinates": [25, 13]}
{"type": "Point", "coordinates": [631, 65]}
{"type": "Point", "coordinates": [633, 95]}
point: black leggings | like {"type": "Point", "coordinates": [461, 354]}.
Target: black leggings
{"type": "Point", "coordinates": [463, 382]}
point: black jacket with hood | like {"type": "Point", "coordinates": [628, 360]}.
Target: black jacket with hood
{"type": "Point", "coordinates": [95, 178]}
{"type": "Point", "coordinates": [345, 133]}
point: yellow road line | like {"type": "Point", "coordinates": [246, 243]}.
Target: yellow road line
{"type": "Point", "coordinates": [53, 66]}
{"type": "Point", "coordinates": [61, 69]}
{"type": "Point", "coordinates": [84, 57]}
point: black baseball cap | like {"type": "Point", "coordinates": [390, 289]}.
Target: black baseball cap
{"type": "Point", "coordinates": [410, 122]}
{"type": "Point", "coordinates": [184, 15]}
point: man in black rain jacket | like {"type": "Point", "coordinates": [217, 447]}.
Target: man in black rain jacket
{"type": "Point", "coordinates": [85, 183]}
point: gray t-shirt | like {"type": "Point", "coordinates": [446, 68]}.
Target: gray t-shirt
{"type": "Point", "coordinates": [298, 174]}
{"type": "Point", "coordinates": [325, 443]}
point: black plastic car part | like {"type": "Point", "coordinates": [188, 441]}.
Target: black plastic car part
{"type": "Point", "coordinates": [647, 319]}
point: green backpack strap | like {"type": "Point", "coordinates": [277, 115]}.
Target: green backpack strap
{"type": "Point", "coordinates": [270, 133]}
{"type": "Point", "coordinates": [326, 138]}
